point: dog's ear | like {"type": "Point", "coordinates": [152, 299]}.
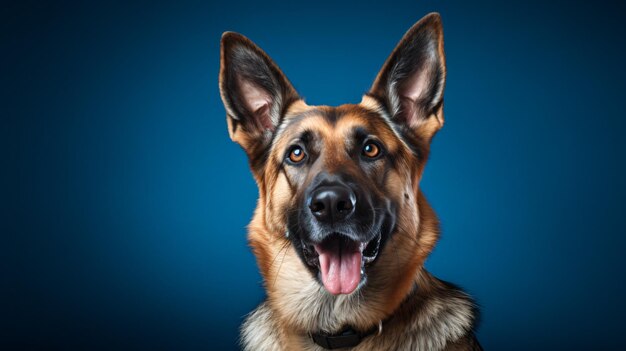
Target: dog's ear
{"type": "Point", "coordinates": [254, 90]}
{"type": "Point", "coordinates": [411, 82]}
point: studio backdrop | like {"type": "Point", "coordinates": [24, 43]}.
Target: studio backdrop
{"type": "Point", "coordinates": [125, 203]}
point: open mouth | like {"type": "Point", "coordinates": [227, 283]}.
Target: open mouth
{"type": "Point", "coordinates": [340, 261]}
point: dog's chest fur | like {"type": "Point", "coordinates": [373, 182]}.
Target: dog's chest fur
{"type": "Point", "coordinates": [440, 319]}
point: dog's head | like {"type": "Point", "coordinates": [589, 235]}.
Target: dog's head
{"type": "Point", "coordinates": [339, 184]}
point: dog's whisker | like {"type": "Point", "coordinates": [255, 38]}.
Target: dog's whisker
{"type": "Point", "coordinates": [281, 263]}
{"type": "Point", "coordinates": [284, 246]}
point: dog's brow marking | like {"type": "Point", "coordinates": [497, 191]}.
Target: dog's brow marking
{"type": "Point", "coordinates": [360, 133]}
{"type": "Point", "coordinates": [305, 136]}
{"type": "Point", "coordinates": [313, 122]}
{"type": "Point", "coordinates": [289, 121]}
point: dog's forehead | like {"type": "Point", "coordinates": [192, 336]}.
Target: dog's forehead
{"type": "Point", "coordinates": [334, 125]}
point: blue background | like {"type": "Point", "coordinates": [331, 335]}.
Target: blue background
{"type": "Point", "coordinates": [125, 203]}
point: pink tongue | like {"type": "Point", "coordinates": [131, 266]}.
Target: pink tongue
{"type": "Point", "coordinates": [340, 267]}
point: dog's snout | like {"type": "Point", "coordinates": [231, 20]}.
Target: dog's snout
{"type": "Point", "coordinates": [332, 203]}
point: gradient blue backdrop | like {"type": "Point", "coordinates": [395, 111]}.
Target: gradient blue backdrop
{"type": "Point", "coordinates": [125, 203]}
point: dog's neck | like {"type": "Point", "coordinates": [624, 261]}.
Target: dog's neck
{"type": "Point", "coordinates": [303, 303]}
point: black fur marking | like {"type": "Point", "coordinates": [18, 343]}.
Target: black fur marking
{"type": "Point", "coordinates": [306, 137]}
{"type": "Point", "coordinates": [330, 115]}
{"type": "Point", "coordinates": [359, 134]}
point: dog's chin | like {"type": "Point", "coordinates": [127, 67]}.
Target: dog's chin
{"type": "Point", "coordinates": [340, 263]}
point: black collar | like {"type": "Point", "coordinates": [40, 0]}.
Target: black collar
{"type": "Point", "coordinates": [346, 338]}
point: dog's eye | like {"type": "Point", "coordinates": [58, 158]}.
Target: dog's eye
{"type": "Point", "coordinates": [371, 150]}
{"type": "Point", "coordinates": [296, 155]}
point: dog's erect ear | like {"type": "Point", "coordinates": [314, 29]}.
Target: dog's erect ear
{"type": "Point", "coordinates": [254, 91]}
{"type": "Point", "coordinates": [411, 82]}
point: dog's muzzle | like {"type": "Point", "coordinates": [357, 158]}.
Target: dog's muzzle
{"type": "Point", "coordinates": [339, 230]}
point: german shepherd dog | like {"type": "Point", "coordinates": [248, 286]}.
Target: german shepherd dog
{"type": "Point", "coordinates": [341, 230]}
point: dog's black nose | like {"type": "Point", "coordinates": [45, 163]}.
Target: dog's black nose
{"type": "Point", "coordinates": [332, 203]}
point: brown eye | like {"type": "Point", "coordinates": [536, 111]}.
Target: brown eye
{"type": "Point", "coordinates": [296, 155]}
{"type": "Point", "coordinates": [371, 150]}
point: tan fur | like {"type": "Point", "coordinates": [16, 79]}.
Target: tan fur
{"type": "Point", "coordinates": [420, 311]}
{"type": "Point", "coordinates": [299, 304]}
